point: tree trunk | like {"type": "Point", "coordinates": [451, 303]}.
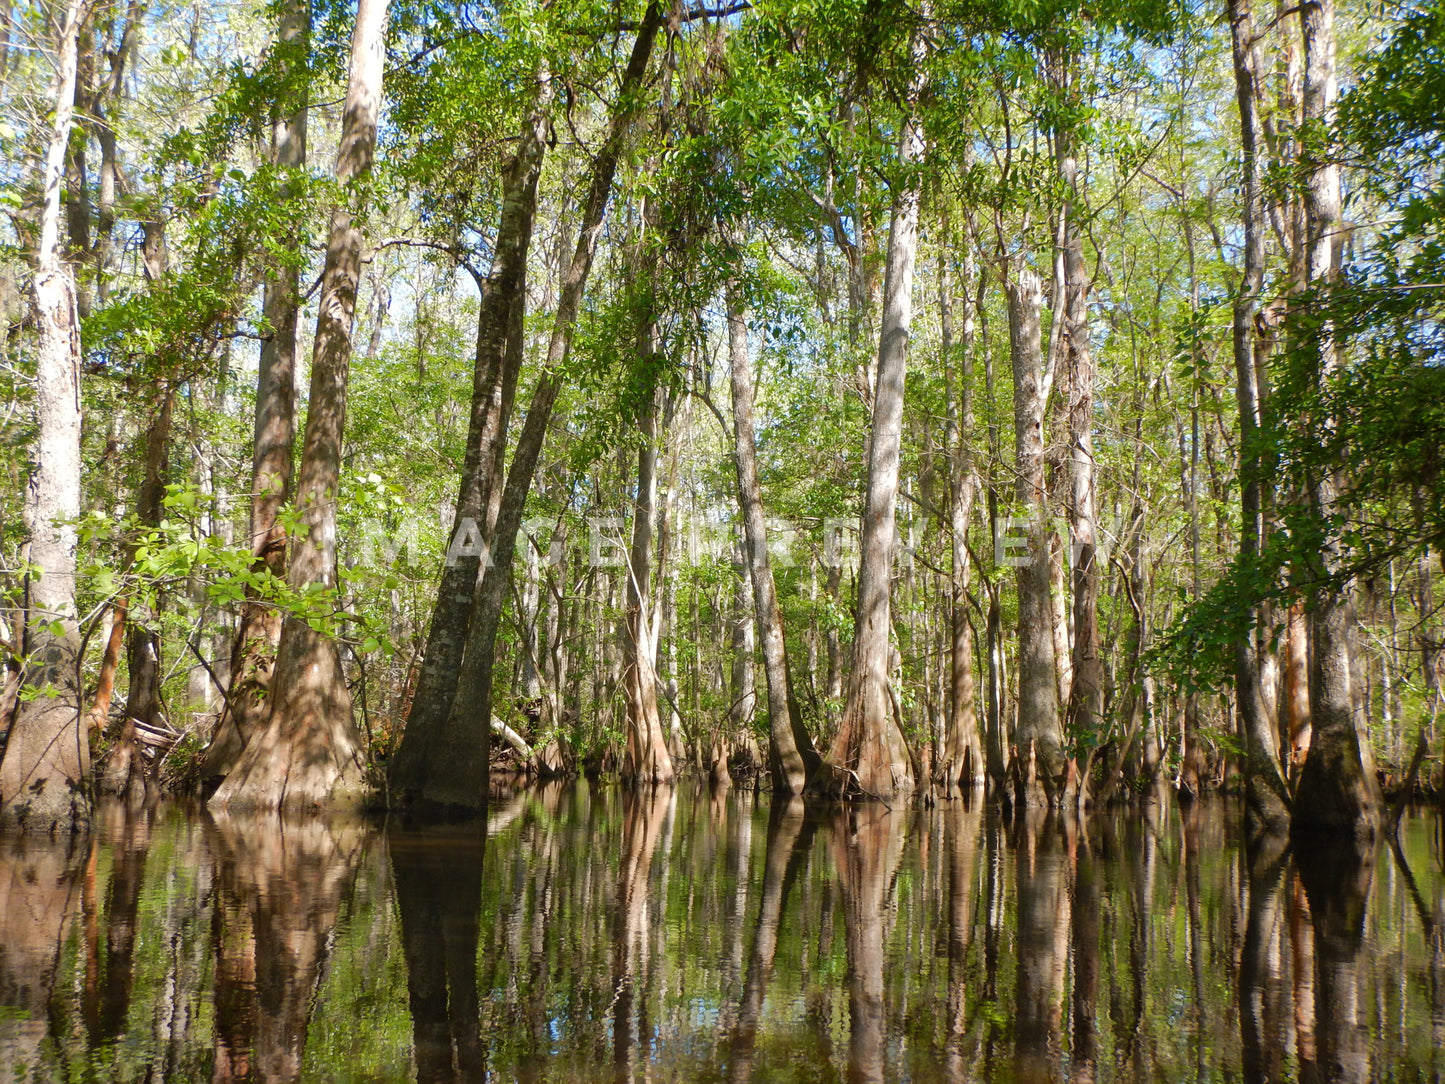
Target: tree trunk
{"type": "Point", "coordinates": [124, 773]}
{"type": "Point", "coordinates": [46, 769]}
{"type": "Point", "coordinates": [309, 754]}
{"type": "Point", "coordinates": [994, 687]}
{"type": "Point", "coordinates": [833, 682]}
{"type": "Point", "coordinates": [494, 378]}
{"type": "Point", "coordinates": [1086, 688]}
{"type": "Point", "coordinates": [1267, 793]}
{"type": "Point", "coordinates": [253, 654]}
{"type": "Point", "coordinates": [1037, 732]}
{"type": "Point", "coordinates": [792, 757]}
{"type": "Point", "coordinates": [744, 695]}
{"type": "Point", "coordinates": [1295, 712]}
{"type": "Point", "coordinates": [960, 758]}
{"type": "Point", "coordinates": [450, 770]}
{"type": "Point", "coordinates": [109, 663]}
{"type": "Point", "coordinates": [77, 179]}
{"type": "Point", "coordinates": [109, 182]}
{"type": "Point", "coordinates": [647, 759]}
{"type": "Point", "coordinates": [869, 755]}
{"type": "Point", "coordinates": [1337, 786]}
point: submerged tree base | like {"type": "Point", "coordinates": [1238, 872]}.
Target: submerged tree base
{"type": "Point", "coordinates": [308, 756]}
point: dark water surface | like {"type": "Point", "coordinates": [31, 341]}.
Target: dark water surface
{"type": "Point", "coordinates": [597, 935]}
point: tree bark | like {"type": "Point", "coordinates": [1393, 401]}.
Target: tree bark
{"type": "Point", "coordinates": [1337, 787]}
{"type": "Point", "coordinates": [1267, 793]}
{"type": "Point", "coordinates": [1295, 712]}
{"type": "Point", "coordinates": [451, 770]}
{"type": "Point", "coordinates": [77, 178]}
{"type": "Point", "coordinates": [1037, 731]}
{"type": "Point", "coordinates": [869, 755]}
{"type": "Point", "coordinates": [109, 181]}
{"type": "Point", "coordinates": [309, 754]}
{"type": "Point", "coordinates": [253, 653]}
{"type": "Point", "coordinates": [792, 757]}
{"type": "Point", "coordinates": [46, 769]}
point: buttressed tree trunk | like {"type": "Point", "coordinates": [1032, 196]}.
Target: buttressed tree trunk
{"type": "Point", "coordinates": [494, 376]}
{"type": "Point", "coordinates": [259, 631]}
{"type": "Point", "coordinates": [46, 769]}
{"type": "Point", "coordinates": [646, 759]}
{"type": "Point", "coordinates": [1037, 734]}
{"type": "Point", "coordinates": [791, 754]}
{"type": "Point", "coordinates": [1337, 786]}
{"type": "Point", "coordinates": [453, 771]}
{"type": "Point", "coordinates": [309, 753]}
{"type": "Point", "coordinates": [1267, 794]}
{"type": "Point", "coordinates": [869, 756]}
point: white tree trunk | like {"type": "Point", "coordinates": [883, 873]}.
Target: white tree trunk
{"type": "Point", "coordinates": [44, 777]}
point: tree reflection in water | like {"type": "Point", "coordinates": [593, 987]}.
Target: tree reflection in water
{"type": "Point", "coordinates": [680, 935]}
{"type": "Point", "coordinates": [281, 883]}
{"type": "Point", "coordinates": [1261, 982]}
{"type": "Point", "coordinates": [1043, 944]}
{"type": "Point", "coordinates": [867, 847]}
{"type": "Point", "coordinates": [789, 836]}
{"type": "Point", "coordinates": [39, 897]}
{"type": "Point", "coordinates": [1336, 875]}
{"type": "Point", "coordinates": [437, 872]}
{"type": "Point", "coordinates": [644, 811]}
{"type": "Point", "coordinates": [110, 960]}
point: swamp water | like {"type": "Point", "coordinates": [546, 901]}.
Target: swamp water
{"type": "Point", "coordinates": [599, 935]}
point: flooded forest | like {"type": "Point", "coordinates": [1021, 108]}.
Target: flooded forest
{"type": "Point", "coordinates": [860, 540]}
